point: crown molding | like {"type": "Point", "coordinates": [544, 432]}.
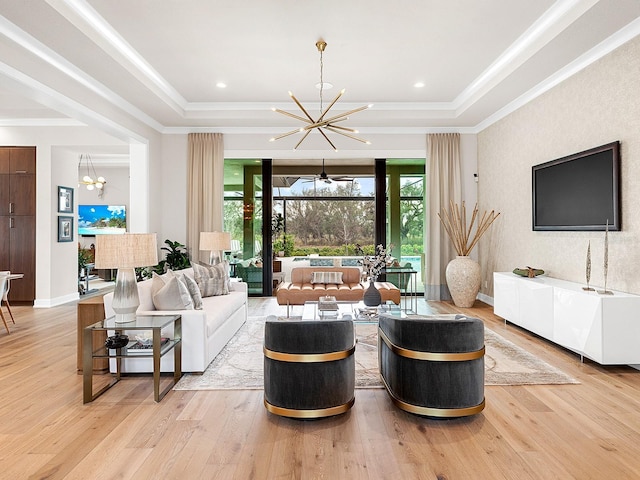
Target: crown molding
{"type": "Point", "coordinates": [605, 47]}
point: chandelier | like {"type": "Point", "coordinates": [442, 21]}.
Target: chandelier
{"type": "Point", "coordinates": [91, 181]}
{"type": "Point", "coordinates": [321, 123]}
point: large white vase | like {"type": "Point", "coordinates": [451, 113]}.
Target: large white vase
{"type": "Point", "coordinates": [463, 280]}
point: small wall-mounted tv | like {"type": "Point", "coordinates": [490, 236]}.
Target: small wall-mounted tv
{"type": "Point", "coordinates": [578, 192]}
{"type": "Point", "coordinates": [101, 219]}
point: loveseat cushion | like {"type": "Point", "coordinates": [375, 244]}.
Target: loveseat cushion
{"type": "Point", "coordinates": [219, 309]}
{"type": "Point", "coordinates": [168, 292]}
{"type": "Point", "coordinates": [193, 289]}
{"type": "Point", "coordinates": [212, 280]}
{"type": "Point", "coordinates": [326, 277]}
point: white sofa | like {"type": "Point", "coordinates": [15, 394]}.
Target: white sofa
{"type": "Point", "coordinates": [204, 332]}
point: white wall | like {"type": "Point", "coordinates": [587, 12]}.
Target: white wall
{"type": "Point", "coordinates": [173, 178]}
{"type": "Point", "coordinates": [599, 105]}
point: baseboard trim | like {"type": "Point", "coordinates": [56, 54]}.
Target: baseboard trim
{"type": "Point", "coordinates": [485, 298]}
{"type": "Point", "coordinates": [54, 302]}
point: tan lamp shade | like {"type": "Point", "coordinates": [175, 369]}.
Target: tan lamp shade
{"type": "Point", "coordinates": [129, 250]}
{"type": "Point", "coordinates": [215, 241]}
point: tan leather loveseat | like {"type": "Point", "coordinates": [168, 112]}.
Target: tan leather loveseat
{"type": "Point", "coordinates": [301, 289]}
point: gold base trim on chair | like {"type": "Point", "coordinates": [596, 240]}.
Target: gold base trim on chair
{"type": "Point", "coordinates": [312, 413]}
{"type": "Point", "coordinates": [308, 357]}
{"type": "Point", "coordinates": [430, 356]}
{"type": "Point", "coordinates": [431, 411]}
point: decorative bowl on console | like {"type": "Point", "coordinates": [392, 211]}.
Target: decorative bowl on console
{"type": "Point", "coordinates": [528, 272]}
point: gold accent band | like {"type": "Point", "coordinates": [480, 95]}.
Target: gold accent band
{"type": "Point", "coordinates": [308, 357]}
{"type": "Point", "coordinates": [315, 413]}
{"type": "Point", "coordinates": [430, 356]}
{"type": "Point", "coordinates": [433, 412]}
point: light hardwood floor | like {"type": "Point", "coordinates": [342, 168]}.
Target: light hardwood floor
{"type": "Point", "coordinates": [586, 431]}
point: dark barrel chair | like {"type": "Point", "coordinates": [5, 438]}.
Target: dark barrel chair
{"type": "Point", "coordinates": [309, 367]}
{"type": "Point", "coordinates": [433, 366]}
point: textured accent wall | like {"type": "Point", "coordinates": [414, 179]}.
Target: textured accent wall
{"type": "Point", "coordinates": [598, 105]}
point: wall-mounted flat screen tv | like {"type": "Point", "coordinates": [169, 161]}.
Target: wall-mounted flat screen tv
{"type": "Point", "coordinates": [578, 192]}
{"type": "Point", "coordinates": [101, 219]}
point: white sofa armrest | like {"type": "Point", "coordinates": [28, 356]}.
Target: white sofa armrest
{"type": "Point", "coordinates": [240, 287]}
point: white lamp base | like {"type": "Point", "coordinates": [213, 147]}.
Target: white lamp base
{"type": "Point", "coordinates": [125, 296]}
{"type": "Point", "coordinates": [215, 257]}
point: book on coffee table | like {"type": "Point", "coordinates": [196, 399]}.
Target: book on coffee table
{"type": "Point", "coordinates": [144, 346]}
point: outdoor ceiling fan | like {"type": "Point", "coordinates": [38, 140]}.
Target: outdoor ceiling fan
{"type": "Point", "coordinates": [323, 177]}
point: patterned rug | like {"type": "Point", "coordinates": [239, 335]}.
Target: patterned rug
{"type": "Point", "coordinates": [239, 365]}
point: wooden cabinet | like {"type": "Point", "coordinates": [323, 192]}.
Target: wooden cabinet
{"type": "Point", "coordinates": [90, 311]}
{"type": "Point", "coordinates": [18, 219]}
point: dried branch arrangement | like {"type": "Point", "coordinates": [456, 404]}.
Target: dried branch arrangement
{"type": "Point", "coordinates": [454, 222]}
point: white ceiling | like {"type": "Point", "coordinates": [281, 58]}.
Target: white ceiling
{"type": "Point", "coordinates": [157, 62]}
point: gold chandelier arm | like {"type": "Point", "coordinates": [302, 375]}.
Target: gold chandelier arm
{"type": "Point", "coordinates": [348, 135]}
{"type": "Point", "coordinates": [327, 139]}
{"type": "Point", "coordinates": [331, 104]}
{"type": "Point", "coordinates": [337, 118]}
{"type": "Point", "coordinates": [292, 115]}
{"type": "Point", "coordinates": [324, 123]}
{"type": "Point", "coordinates": [302, 139]}
{"type": "Point", "coordinates": [352, 130]}
{"type": "Point", "coordinates": [297, 130]}
{"type": "Point", "coordinates": [346, 114]}
{"type": "Point", "coordinates": [293, 97]}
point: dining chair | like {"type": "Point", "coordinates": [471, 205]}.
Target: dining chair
{"type": "Point", "coordinates": [3, 287]}
{"type": "Point", "coordinates": [5, 297]}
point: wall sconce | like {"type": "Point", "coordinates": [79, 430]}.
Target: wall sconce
{"type": "Point", "coordinates": [247, 211]}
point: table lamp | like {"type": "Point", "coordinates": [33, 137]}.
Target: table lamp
{"type": "Point", "coordinates": [216, 243]}
{"type": "Point", "coordinates": [126, 252]}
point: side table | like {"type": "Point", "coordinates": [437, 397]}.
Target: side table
{"type": "Point", "coordinates": [153, 323]}
{"type": "Point", "coordinates": [90, 311]}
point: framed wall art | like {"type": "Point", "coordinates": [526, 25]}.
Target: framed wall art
{"type": "Point", "coordinates": [65, 229]}
{"type": "Point", "coordinates": [65, 200]}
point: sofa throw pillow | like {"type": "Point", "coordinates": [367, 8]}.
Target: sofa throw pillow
{"type": "Point", "coordinates": [168, 293]}
{"type": "Point", "coordinates": [193, 289]}
{"type": "Point", "coordinates": [326, 277]}
{"type": "Point", "coordinates": [212, 280]}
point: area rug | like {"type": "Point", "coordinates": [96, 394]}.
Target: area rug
{"type": "Point", "coordinates": [239, 365]}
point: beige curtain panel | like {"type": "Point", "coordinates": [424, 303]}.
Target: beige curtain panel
{"type": "Point", "coordinates": [443, 186]}
{"type": "Point", "coordinates": [205, 189]}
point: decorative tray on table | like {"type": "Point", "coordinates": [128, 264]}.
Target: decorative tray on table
{"type": "Point", "coordinates": [327, 304]}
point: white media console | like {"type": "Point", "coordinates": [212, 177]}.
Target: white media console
{"type": "Point", "coordinates": [604, 328]}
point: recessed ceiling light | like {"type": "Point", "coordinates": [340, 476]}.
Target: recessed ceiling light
{"type": "Point", "coordinates": [221, 85]}
{"type": "Point", "coordinates": [419, 84]}
{"type": "Point", "coordinates": [325, 85]}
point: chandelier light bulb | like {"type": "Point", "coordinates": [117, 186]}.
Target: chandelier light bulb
{"type": "Point", "coordinates": [90, 187]}
{"type": "Point", "coordinates": [101, 179]}
{"type": "Point", "coordinates": [87, 179]}
{"type": "Point", "coordinates": [98, 185]}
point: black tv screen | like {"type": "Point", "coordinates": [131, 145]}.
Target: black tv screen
{"type": "Point", "coordinates": [578, 192]}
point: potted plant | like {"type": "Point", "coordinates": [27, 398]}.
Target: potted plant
{"type": "Point", "coordinates": [176, 258]}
